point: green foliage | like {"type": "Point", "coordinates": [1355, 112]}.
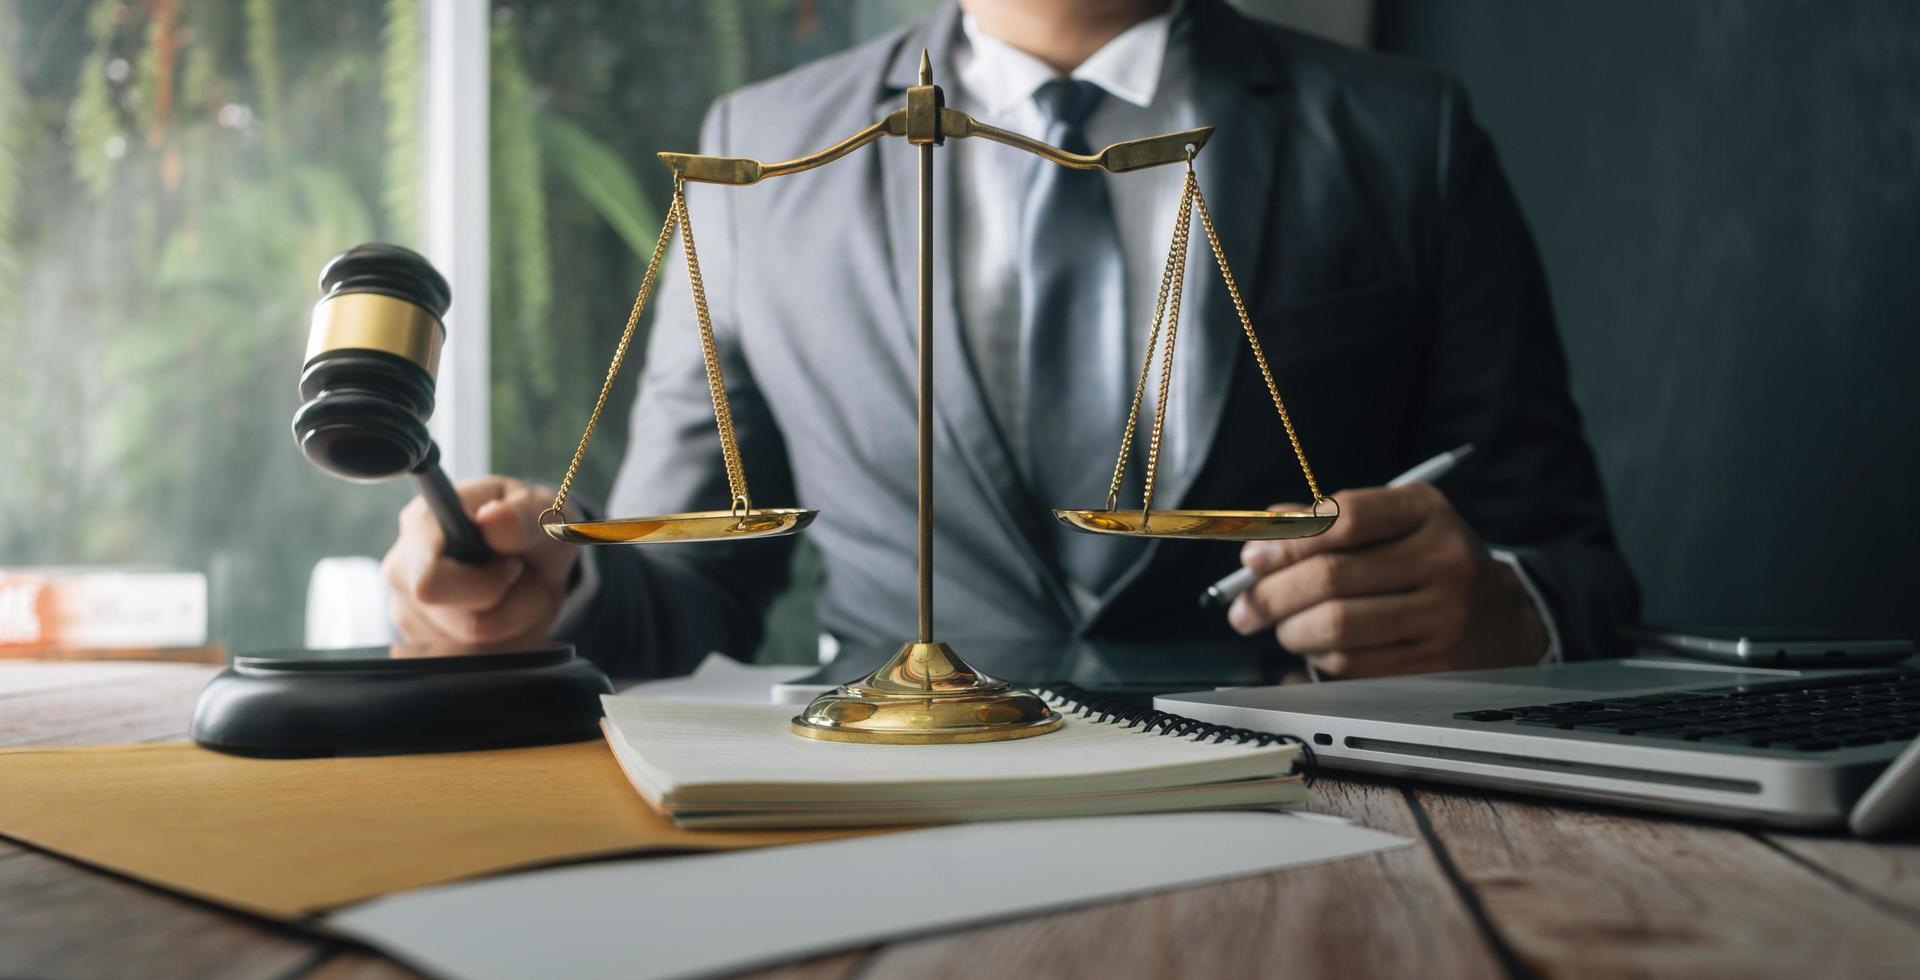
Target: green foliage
{"type": "Point", "coordinates": [599, 176]}
{"type": "Point", "coordinates": [402, 50]}
{"type": "Point", "coordinates": [727, 44]}
{"type": "Point", "coordinates": [263, 57]}
{"type": "Point", "coordinates": [193, 166]}
{"type": "Point", "coordinates": [93, 124]}
{"type": "Point", "coordinates": [12, 147]}
{"type": "Point", "coordinates": [12, 152]}
{"type": "Point", "coordinates": [521, 282]}
{"type": "Point", "coordinates": [153, 73]}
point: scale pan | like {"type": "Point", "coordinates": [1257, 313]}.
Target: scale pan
{"type": "Point", "coordinates": [1216, 525]}
{"type": "Point", "coordinates": [710, 525]}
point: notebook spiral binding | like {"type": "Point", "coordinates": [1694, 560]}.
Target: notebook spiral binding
{"type": "Point", "coordinates": [1076, 700]}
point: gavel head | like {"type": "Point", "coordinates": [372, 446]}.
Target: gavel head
{"type": "Point", "coordinates": [372, 353]}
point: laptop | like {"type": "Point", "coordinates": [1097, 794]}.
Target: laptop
{"type": "Point", "coordinates": [1785, 748]}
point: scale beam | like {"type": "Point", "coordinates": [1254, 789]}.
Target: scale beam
{"type": "Point", "coordinates": [741, 171]}
{"type": "Point", "coordinates": [1118, 158]}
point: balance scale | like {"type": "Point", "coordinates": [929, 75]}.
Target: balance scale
{"type": "Point", "coordinates": [926, 693]}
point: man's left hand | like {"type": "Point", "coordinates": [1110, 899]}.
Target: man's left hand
{"type": "Point", "coordinates": [1398, 585]}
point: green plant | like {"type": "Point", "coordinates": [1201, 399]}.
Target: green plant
{"type": "Point", "coordinates": [192, 167]}
{"type": "Point", "coordinates": [172, 176]}
{"type": "Point", "coordinates": [402, 47]}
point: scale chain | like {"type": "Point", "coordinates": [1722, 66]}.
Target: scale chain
{"type": "Point", "coordinates": [716, 387]}
{"type": "Point", "coordinates": [619, 356]}
{"type": "Point", "coordinates": [1181, 234]}
{"type": "Point", "coordinates": [1246, 323]}
{"type": "Point", "coordinates": [1166, 309]}
{"type": "Point", "coordinates": [723, 415]}
{"type": "Point", "coordinates": [1167, 276]}
{"type": "Point", "coordinates": [1172, 284]}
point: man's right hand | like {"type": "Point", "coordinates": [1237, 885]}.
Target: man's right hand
{"type": "Point", "coordinates": [513, 598]}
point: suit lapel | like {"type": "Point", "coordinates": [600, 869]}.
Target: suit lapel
{"type": "Point", "coordinates": [960, 405]}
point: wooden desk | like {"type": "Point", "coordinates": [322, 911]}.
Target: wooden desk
{"type": "Point", "coordinates": [1496, 886]}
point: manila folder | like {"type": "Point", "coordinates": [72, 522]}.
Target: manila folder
{"type": "Point", "coordinates": [287, 838]}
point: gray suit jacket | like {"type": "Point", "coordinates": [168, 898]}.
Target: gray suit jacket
{"type": "Point", "coordinates": [1395, 285]}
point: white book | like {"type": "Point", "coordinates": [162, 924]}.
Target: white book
{"type": "Point", "coordinates": [739, 765]}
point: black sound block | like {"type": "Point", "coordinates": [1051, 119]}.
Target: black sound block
{"type": "Point", "coordinates": [398, 700]}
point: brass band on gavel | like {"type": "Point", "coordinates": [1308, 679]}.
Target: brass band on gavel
{"type": "Point", "coordinates": [377, 322]}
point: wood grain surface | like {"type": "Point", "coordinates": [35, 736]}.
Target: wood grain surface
{"type": "Point", "coordinates": [1497, 886]}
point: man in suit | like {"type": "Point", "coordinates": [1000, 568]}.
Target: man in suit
{"type": "Point", "coordinates": [1385, 264]}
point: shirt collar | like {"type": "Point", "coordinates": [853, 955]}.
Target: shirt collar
{"type": "Point", "coordinates": [1002, 76]}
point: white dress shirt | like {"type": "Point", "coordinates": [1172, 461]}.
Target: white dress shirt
{"type": "Point", "coordinates": [1147, 79]}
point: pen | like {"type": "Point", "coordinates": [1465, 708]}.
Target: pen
{"type": "Point", "coordinates": [1220, 593]}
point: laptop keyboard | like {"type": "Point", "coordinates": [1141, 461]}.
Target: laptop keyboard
{"type": "Point", "coordinates": [1800, 715]}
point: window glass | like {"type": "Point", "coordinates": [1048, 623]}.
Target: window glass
{"type": "Point", "coordinates": [583, 95]}
{"type": "Point", "coordinates": [172, 177]}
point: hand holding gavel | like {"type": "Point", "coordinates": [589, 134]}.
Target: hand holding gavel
{"type": "Point", "coordinates": [470, 565]}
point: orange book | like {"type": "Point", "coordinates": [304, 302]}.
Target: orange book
{"type": "Point", "coordinates": [74, 609]}
{"type": "Point", "coordinates": [211, 654]}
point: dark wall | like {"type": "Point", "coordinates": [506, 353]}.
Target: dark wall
{"type": "Point", "coordinates": [1727, 197]}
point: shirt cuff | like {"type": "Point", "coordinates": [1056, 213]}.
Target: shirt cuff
{"type": "Point", "coordinates": [573, 608]}
{"type": "Point", "coordinates": [1540, 608]}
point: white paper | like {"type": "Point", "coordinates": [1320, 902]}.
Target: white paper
{"type": "Point", "coordinates": [720, 678]}
{"type": "Point", "coordinates": [706, 914]}
{"type": "Point", "coordinates": [795, 692]}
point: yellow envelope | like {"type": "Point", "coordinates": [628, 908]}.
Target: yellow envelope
{"type": "Point", "coordinates": [288, 838]}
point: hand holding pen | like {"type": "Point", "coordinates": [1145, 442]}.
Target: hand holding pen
{"type": "Point", "coordinates": [1399, 584]}
{"type": "Point", "coordinates": [1228, 589]}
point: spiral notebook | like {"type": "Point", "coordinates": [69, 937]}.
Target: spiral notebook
{"type": "Point", "coordinates": [714, 766]}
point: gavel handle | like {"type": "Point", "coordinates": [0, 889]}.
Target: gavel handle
{"type": "Point", "coordinates": [464, 543]}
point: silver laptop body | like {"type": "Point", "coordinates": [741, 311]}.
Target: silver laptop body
{"type": "Point", "coordinates": [1416, 726]}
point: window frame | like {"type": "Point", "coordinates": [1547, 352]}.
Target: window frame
{"type": "Point", "coordinates": [457, 232]}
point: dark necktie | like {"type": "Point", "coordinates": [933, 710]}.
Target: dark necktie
{"type": "Point", "coordinates": [1073, 339]}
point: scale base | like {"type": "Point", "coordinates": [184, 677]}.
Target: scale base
{"type": "Point", "coordinates": [926, 695]}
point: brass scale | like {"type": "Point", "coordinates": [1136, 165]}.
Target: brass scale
{"type": "Point", "coordinates": [927, 694]}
